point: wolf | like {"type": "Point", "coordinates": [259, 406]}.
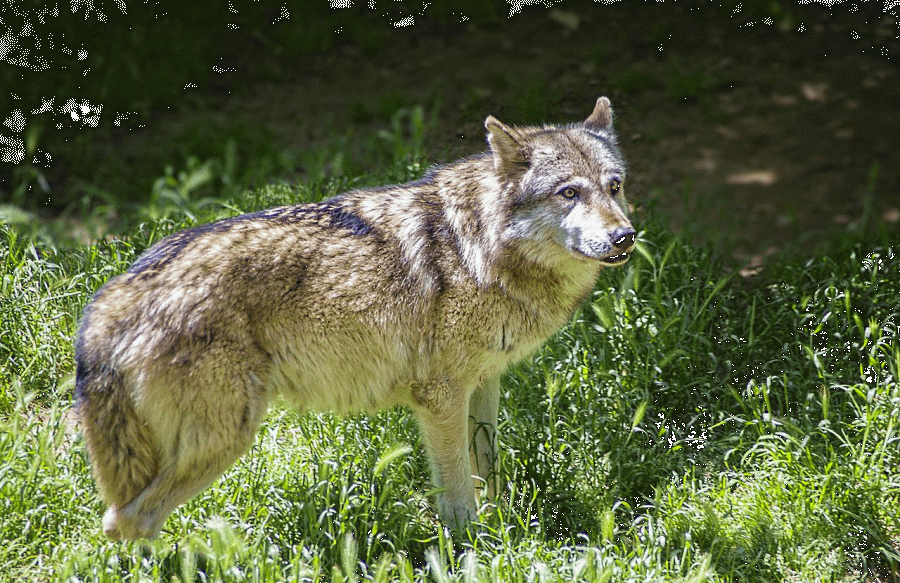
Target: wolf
{"type": "Point", "coordinates": [420, 294]}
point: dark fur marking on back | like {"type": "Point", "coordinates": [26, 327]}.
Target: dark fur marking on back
{"type": "Point", "coordinates": [343, 219]}
{"type": "Point", "coordinates": [333, 209]}
{"type": "Point", "coordinates": [169, 248]}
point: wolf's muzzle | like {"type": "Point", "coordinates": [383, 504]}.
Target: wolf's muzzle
{"type": "Point", "coordinates": [623, 238]}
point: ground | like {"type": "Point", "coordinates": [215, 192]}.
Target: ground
{"type": "Point", "coordinates": [760, 132]}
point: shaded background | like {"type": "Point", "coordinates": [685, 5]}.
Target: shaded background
{"type": "Point", "coordinates": [756, 125]}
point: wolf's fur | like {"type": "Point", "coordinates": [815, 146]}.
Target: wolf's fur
{"type": "Point", "coordinates": [420, 294]}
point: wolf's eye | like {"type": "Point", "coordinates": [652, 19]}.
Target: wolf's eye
{"type": "Point", "coordinates": [568, 192]}
{"type": "Point", "coordinates": [614, 185]}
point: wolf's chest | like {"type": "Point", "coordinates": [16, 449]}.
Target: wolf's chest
{"type": "Point", "coordinates": [510, 331]}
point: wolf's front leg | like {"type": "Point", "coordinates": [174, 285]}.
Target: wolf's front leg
{"type": "Point", "coordinates": [443, 413]}
{"type": "Point", "coordinates": [483, 409]}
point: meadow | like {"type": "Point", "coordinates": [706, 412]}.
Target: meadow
{"type": "Point", "coordinates": [689, 424]}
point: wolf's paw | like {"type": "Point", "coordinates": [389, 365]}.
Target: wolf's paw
{"type": "Point", "coordinates": [118, 525]}
{"type": "Point", "coordinates": [111, 524]}
{"type": "Point", "coordinates": [457, 517]}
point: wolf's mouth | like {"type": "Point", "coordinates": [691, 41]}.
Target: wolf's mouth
{"type": "Point", "coordinates": [616, 259]}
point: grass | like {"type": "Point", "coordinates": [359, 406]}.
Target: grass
{"type": "Point", "coordinates": [135, 65]}
{"type": "Point", "coordinates": [687, 425]}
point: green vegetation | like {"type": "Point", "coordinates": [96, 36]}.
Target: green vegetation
{"type": "Point", "coordinates": [140, 63]}
{"type": "Point", "coordinates": [688, 425]}
{"type": "Point", "coordinates": [147, 61]}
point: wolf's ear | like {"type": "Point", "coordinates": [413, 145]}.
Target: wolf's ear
{"type": "Point", "coordinates": [601, 118]}
{"type": "Point", "coordinates": [504, 142]}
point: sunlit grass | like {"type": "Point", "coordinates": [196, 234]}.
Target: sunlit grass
{"type": "Point", "coordinates": [687, 425]}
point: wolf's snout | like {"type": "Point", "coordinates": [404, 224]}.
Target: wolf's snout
{"type": "Point", "coordinates": [623, 238]}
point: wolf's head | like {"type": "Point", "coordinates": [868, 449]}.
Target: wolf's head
{"type": "Point", "coordinates": [565, 187]}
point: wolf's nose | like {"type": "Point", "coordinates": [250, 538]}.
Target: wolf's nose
{"type": "Point", "coordinates": [623, 238]}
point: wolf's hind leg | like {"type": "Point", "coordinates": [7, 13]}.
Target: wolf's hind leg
{"type": "Point", "coordinates": [204, 420]}
{"type": "Point", "coordinates": [175, 484]}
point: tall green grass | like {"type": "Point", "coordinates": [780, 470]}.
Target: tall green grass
{"type": "Point", "coordinates": [687, 425]}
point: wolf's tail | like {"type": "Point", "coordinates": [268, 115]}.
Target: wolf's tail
{"type": "Point", "coordinates": [122, 450]}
